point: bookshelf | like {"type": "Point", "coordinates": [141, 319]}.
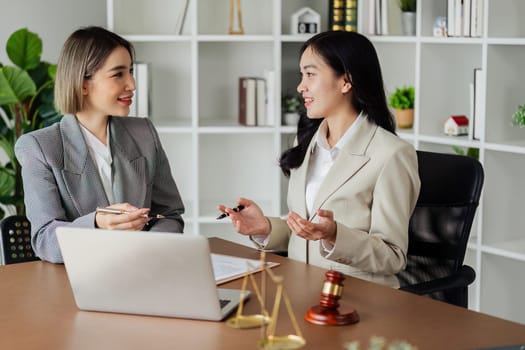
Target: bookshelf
{"type": "Point", "coordinates": [215, 160]}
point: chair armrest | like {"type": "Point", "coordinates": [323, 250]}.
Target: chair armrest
{"type": "Point", "coordinates": [464, 277]}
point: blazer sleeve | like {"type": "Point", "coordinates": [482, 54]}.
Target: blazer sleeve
{"type": "Point", "coordinates": [165, 197]}
{"type": "Point", "coordinates": [383, 249]}
{"type": "Point", "coordinates": [42, 197]}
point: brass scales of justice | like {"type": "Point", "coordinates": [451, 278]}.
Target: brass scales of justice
{"type": "Point", "coordinates": [328, 313]}
{"type": "Point", "coordinates": [270, 341]}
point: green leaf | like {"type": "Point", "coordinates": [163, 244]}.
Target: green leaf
{"type": "Point", "coordinates": [6, 144]}
{"type": "Point", "coordinates": [24, 49]}
{"type": "Point", "coordinates": [15, 85]}
{"type": "Point", "coordinates": [52, 71]}
{"type": "Point", "coordinates": [458, 150]}
{"type": "Point", "coordinates": [402, 98]}
{"type": "Point", "coordinates": [7, 182]}
{"type": "Point", "coordinates": [27, 103]}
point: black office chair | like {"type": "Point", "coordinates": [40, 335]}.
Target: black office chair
{"type": "Point", "coordinates": [16, 240]}
{"type": "Point", "coordinates": [440, 226]}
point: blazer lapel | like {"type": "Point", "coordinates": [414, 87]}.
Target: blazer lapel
{"type": "Point", "coordinates": [80, 173]}
{"type": "Point", "coordinates": [129, 166]}
{"type": "Point", "coordinates": [350, 160]}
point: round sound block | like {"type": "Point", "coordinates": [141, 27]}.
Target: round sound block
{"type": "Point", "coordinates": [322, 316]}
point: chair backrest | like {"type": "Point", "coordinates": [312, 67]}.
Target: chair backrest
{"type": "Point", "coordinates": [16, 240]}
{"type": "Point", "coordinates": [441, 222]}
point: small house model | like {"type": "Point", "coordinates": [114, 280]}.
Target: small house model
{"type": "Point", "coordinates": [305, 21]}
{"type": "Point", "coordinates": [456, 125]}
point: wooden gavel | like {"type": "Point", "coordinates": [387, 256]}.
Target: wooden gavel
{"type": "Point", "coordinates": [329, 312]}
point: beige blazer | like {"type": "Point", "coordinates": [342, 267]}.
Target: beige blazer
{"type": "Point", "coordinates": [372, 189]}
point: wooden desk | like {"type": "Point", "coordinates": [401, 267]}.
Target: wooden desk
{"type": "Point", "coordinates": [37, 311]}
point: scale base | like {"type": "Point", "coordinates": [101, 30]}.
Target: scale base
{"type": "Point", "coordinates": [248, 321]}
{"type": "Point", "coordinates": [286, 342]}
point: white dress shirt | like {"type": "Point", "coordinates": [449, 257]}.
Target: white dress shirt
{"type": "Point", "coordinates": [322, 159]}
{"type": "Point", "coordinates": [101, 155]}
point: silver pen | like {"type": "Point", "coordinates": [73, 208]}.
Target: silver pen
{"type": "Point", "coordinates": [103, 210]}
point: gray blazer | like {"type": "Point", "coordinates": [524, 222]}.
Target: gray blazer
{"type": "Point", "coordinates": [63, 188]}
{"type": "Point", "coordinates": [372, 189]}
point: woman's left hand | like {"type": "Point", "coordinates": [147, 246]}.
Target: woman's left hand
{"type": "Point", "coordinates": [325, 228]}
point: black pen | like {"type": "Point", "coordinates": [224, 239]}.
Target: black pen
{"type": "Point", "coordinates": [223, 215]}
{"type": "Point", "coordinates": [122, 211]}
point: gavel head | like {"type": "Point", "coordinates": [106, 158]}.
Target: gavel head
{"type": "Point", "coordinates": [332, 289]}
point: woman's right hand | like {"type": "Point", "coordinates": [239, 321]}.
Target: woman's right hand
{"type": "Point", "coordinates": [135, 220]}
{"type": "Point", "coordinates": [248, 221]}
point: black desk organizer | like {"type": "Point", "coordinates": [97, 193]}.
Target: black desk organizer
{"type": "Point", "coordinates": [16, 240]}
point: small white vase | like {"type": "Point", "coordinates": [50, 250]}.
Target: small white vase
{"type": "Point", "coordinates": [291, 118]}
{"type": "Point", "coordinates": [408, 22]}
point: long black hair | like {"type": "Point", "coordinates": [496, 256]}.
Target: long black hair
{"type": "Point", "coordinates": [353, 55]}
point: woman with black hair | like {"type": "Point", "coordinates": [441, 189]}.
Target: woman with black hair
{"type": "Point", "coordinates": [353, 183]}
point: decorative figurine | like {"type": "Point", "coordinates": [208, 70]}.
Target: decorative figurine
{"type": "Point", "coordinates": [305, 21]}
{"type": "Point", "coordinates": [235, 5]}
{"type": "Point", "coordinates": [440, 26]}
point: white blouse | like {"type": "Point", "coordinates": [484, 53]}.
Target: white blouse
{"type": "Point", "coordinates": [322, 159]}
{"type": "Point", "coordinates": [101, 155]}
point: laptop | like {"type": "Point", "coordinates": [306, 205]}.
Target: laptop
{"type": "Point", "coordinates": [146, 273]}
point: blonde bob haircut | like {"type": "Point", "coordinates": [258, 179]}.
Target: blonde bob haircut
{"type": "Point", "coordinates": [83, 53]}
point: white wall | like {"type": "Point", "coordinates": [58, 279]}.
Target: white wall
{"type": "Point", "coordinates": [52, 20]}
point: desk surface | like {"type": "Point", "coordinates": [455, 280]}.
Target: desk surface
{"type": "Point", "coordinates": [37, 310]}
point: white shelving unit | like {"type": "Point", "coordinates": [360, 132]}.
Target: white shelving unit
{"type": "Point", "coordinates": [214, 160]}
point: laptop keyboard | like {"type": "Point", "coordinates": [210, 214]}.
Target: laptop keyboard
{"type": "Point", "coordinates": [224, 302]}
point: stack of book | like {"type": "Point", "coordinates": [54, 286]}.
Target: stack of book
{"type": "Point", "coordinates": [256, 100]}
{"type": "Point", "coordinates": [381, 17]}
{"type": "Point", "coordinates": [464, 18]}
{"type": "Point", "coordinates": [342, 15]}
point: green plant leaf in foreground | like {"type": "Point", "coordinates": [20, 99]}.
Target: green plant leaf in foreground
{"type": "Point", "coordinates": [24, 49]}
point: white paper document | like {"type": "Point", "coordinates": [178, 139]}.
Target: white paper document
{"type": "Point", "coordinates": [227, 267]}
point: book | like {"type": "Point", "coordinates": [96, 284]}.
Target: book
{"type": "Point", "coordinates": [476, 18]}
{"type": "Point", "coordinates": [458, 15]}
{"type": "Point", "coordinates": [372, 17]}
{"type": "Point", "coordinates": [247, 101]}
{"type": "Point", "coordinates": [471, 111]}
{"type": "Point", "coordinates": [479, 98]}
{"type": "Point", "coordinates": [140, 107]}
{"type": "Point", "coordinates": [451, 17]}
{"type": "Point", "coordinates": [384, 17]}
{"type": "Point", "coordinates": [336, 12]}
{"type": "Point", "coordinates": [466, 17]}
{"type": "Point", "coordinates": [260, 101]}
{"type": "Point", "coordinates": [350, 16]}
{"type": "Point", "coordinates": [228, 268]}
{"type": "Point", "coordinates": [377, 6]}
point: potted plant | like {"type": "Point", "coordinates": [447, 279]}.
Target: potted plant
{"type": "Point", "coordinates": [518, 118]}
{"type": "Point", "coordinates": [402, 101]}
{"type": "Point", "coordinates": [408, 16]}
{"type": "Point", "coordinates": [26, 104]}
{"type": "Point", "coordinates": [292, 106]}
{"type": "Point", "coordinates": [472, 152]}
